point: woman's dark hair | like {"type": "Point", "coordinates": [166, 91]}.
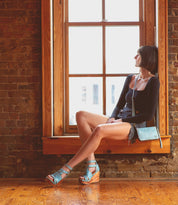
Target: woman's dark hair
{"type": "Point", "coordinates": [149, 58]}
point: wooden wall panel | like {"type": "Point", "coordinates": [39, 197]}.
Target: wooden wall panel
{"type": "Point", "coordinates": [163, 67]}
{"type": "Point", "coordinates": [58, 68]}
{"type": "Point", "coordinates": [150, 22]}
{"type": "Point", "coordinates": [46, 68]}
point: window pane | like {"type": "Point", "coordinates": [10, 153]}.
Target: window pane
{"type": "Point", "coordinates": [85, 10]}
{"type": "Point", "coordinates": [114, 87]}
{"type": "Point", "coordinates": [85, 94]}
{"type": "Point", "coordinates": [122, 10]}
{"type": "Point", "coordinates": [85, 50]}
{"type": "Point", "coordinates": [121, 47]}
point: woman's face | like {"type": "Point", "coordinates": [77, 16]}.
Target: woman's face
{"type": "Point", "coordinates": [137, 60]}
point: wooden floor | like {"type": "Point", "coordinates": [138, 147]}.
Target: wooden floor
{"type": "Point", "coordinates": [107, 192]}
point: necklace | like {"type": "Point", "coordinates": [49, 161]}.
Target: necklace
{"type": "Point", "coordinates": [141, 78]}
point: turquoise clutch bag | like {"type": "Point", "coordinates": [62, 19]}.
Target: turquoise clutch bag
{"type": "Point", "coordinates": [149, 133]}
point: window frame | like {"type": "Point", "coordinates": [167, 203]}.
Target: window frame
{"type": "Point", "coordinates": [52, 99]}
{"type": "Point", "coordinates": [67, 129]}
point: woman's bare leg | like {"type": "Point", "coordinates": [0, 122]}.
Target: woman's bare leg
{"type": "Point", "coordinates": [86, 123]}
{"type": "Point", "coordinates": [117, 131]}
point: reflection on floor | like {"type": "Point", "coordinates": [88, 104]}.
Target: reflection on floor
{"type": "Point", "coordinates": [107, 192]}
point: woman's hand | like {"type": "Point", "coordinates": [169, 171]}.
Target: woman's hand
{"type": "Point", "coordinates": [112, 120]}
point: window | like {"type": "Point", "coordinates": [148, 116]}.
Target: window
{"type": "Point", "coordinates": [99, 52]}
{"type": "Point", "coordinates": [145, 26]}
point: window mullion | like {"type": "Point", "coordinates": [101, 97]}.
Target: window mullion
{"type": "Point", "coordinates": [104, 57]}
{"type": "Point", "coordinates": [66, 103]}
{"type": "Point", "coordinates": [142, 21]}
{"type": "Point", "coordinates": [104, 70]}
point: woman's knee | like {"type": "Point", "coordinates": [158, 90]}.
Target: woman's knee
{"type": "Point", "coordinates": [80, 115]}
{"type": "Point", "coordinates": [99, 131]}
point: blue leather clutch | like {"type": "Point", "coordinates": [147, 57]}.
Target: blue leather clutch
{"type": "Point", "coordinates": [149, 133]}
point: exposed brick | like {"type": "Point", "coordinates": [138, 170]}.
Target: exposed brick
{"type": "Point", "coordinates": [18, 93]}
{"type": "Point", "coordinates": [10, 123]}
{"type": "Point", "coordinates": [173, 35]}
{"type": "Point", "coordinates": [21, 98]}
{"type": "Point", "coordinates": [4, 131]}
{"type": "Point", "coordinates": [3, 149]}
{"type": "Point", "coordinates": [176, 64]}
{"type": "Point", "coordinates": [173, 19]}
{"type": "Point", "coordinates": [173, 49]}
{"type": "Point", "coordinates": [25, 123]}
{"type": "Point", "coordinates": [2, 123]}
{"type": "Point", "coordinates": [4, 116]}
{"type": "Point", "coordinates": [23, 79]}
{"type": "Point", "coordinates": [13, 115]}
{"type": "Point", "coordinates": [17, 131]}
{"type": "Point", "coordinates": [176, 27]}
{"type": "Point", "coordinates": [172, 4]}
{"type": "Point", "coordinates": [11, 108]}
{"type": "Point", "coordinates": [3, 94]}
{"type": "Point", "coordinates": [8, 86]}
{"type": "Point", "coordinates": [175, 42]}
{"type": "Point", "coordinates": [172, 57]}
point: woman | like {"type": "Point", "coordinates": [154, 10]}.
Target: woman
{"type": "Point", "coordinates": [93, 128]}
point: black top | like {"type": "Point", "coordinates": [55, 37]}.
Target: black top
{"type": "Point", "coordinates": [145, 101]}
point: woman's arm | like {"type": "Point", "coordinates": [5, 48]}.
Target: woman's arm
{"type": "Point", "coordinates": [121, 102]}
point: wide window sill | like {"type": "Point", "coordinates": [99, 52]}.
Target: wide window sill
{"type": "Point", "coordinates": [70, 144]}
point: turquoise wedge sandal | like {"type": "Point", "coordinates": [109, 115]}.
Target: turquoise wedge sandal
{"type": "Point", "coordinates": [91, 177]}
{"type": "Point", "coordinates": [56, 178]}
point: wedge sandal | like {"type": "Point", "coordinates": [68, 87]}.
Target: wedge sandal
{"type": "Point", "coordinates": [91, 177]}
{"type": "Point", "coordinates": [56, 178]}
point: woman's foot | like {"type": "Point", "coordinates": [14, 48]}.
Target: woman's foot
{"type": "Point", "coordinates": [92, 173]}
{"type": "Point", "coordinates": [59, 176]}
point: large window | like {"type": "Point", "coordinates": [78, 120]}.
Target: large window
{"type": "Point", "coordinates": [102, 37]}
{"type": "Point", "coordinates": [87, 51]}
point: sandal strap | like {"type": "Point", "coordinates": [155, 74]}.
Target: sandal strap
{"type": "Point", "coordinates": [89, 175]}
{"type": "Point", "coordinates": [69, 167]}
{"type": "Point", "coordinates": [57, 175]}
{"type": "Point", "coordinates": [60, 172]}
{"type": "Point", "coordinates": [91, 161]}
{"type": "Point", "coordinates": [92, 165]}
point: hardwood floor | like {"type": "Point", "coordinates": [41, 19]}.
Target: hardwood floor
{"type": "Point", "coordinates": [107, 192]}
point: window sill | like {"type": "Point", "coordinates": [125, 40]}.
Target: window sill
{"type": "Point", "coordinates": [70, 144]}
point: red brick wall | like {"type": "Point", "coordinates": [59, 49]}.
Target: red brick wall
{"type": "Point", "coordinates": [20, 85]}
{"type": "Point", "coordinates": [173, 73]}
{"type": "Point", "coordinates": [21, 102]}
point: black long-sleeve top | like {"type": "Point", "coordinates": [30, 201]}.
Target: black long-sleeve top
{"type": "Point", "coordinates": [145, 101]}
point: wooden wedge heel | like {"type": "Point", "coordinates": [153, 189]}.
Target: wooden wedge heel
{"type": "Point", "coordinates": [91, 177]}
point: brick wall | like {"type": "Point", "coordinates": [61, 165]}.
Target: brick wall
{"type": "Point", "coordinates": [173, 74]}
{"type": "Point", "coordinates": [20, 85]}
{"type": "Point", "coordinates": [20, 102]}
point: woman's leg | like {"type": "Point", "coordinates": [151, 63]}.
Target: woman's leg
{"type": "Point", "coordinates": [86, 123]}
{"type": "Point", "coordinates": [116, 131]}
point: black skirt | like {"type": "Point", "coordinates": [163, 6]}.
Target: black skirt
{"type": "Point", "coordinates": [127, 112]}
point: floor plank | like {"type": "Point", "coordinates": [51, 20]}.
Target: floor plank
{"type": "Point", "coordinates": [107, 192]}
